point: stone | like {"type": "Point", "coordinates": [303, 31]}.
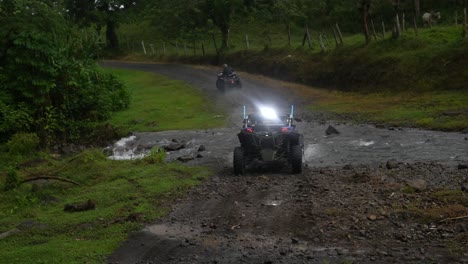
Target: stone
{"type": "Point", "coordinates": [201, 148]}
{"type": "Point", "coordinates": [331, 130]}
{"type": "Point", "coordinates": [185, 158]}
{"type": "Point", "coordinates": [174, 146]}
{"type": "Point", "coordinates": [80, 206]}
{"type": "Point", "coordinates": [372, 217]}
{"type": "Point", "coordinates": [417, 184]}
{"type": "Point", "coordinates": [392, 164]}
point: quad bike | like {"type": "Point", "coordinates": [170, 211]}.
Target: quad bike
{"type": "Point", "coordinates": [269, 139]}
{"type": "Point", "coordinates": [230, 81]}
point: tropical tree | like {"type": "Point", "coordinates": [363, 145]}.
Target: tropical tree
{"type": "Point", "coordinates": [108, 13]}
{"type": "Point", "coordinates": [49, 83]}
{"type": "Point", "coordinates": [286, 11]}
{"type": "Point", "coordinates": [221, 13]}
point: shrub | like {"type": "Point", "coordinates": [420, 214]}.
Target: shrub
{"type": "Point", "coordinates": [11, 181]}
{"type": "Point", "coordinates": [23, 144]}
{"type": "Point", "coordinates": [156, 156]}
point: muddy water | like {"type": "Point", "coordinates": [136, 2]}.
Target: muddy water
{"type": "Point", "coordinates": [365, 144]}
{"type": "Point", "coordinates": [356, 144]}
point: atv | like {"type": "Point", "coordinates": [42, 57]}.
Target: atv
{"type": "Point", "coordinates": [268, 138]}
{"type": "Point", "coordinates": [224, 82]}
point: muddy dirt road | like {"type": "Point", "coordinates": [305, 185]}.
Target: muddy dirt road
{"type": "Point", "coordinates": [366, 195]}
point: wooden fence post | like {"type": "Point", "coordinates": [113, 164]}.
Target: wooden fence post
{"type": "Point", "coordinates": [326, 39]}
{"type": "Point", "coordinates": [398, 27]}
{"type": "Point", "coordinates": [373, 29]}
{"type": "Point", "coordinates": [383, 29]}
{"type": "Point", "coordinates": [403, 22]}
{"type": "Point", "coordinates": [336, 38]}
{"type": "Point", "coordinates": [415, 27]}
{"type": "Point", "coordinates": [321, 42]}
{"type": "Point", "coordinates": [340, 36]}
{"type": "Point", "coordinates": [309, 42]}
{"type": "Point", "coordinates": [143, 45]}
{"type": "Point", "coordinates": [464, 22]}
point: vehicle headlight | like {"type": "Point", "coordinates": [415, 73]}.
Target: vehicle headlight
{"type": "Point", "coordinates": [268, 113]}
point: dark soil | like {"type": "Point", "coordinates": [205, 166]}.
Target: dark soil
{"type": "Point", "coordinates": [366, 195]}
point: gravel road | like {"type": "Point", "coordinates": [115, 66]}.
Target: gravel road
{"type": "Point", "coordinates": [366, 195]}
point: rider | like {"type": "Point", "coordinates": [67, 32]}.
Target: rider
{"type": "Point", "coordinates": [227, 70]}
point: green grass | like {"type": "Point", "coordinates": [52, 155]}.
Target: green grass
{"type": "Point", "coordinates": [119, 188]}
{"type": "Point", "coordinates": [433, 110]}
{"type": "Point", "coordinates": [159, 103]}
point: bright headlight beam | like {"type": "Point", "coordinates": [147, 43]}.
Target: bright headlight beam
{"type": "Point", "coordinates": [268, 113]}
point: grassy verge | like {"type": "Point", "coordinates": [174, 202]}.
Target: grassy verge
{"type": "Point", "coordinates": [160, 103]}
{"type": "Point", "coordinates": [126, 194]}
{"type": "Point", "coordinates": [431, 110]}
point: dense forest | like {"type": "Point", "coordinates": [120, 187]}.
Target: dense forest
{"type": "Point", "coordinates": [51, 85]}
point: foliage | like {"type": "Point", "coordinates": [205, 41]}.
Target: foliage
{"type": "Point", "coordinates": [11, 180]}
{"type": "Point", "coordinates": [50, 83]}
{"type": "Point", "coordinates": [156, 156]}
{"type": "Point", "coordinates": [23, 144]}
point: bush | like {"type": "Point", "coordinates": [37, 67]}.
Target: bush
{"type": "Point", "coordinates": [11, 181]}
{"type": "Point", "coordinates": [23, 144]}
{"type": "Point", "coordinates": [156, 156]}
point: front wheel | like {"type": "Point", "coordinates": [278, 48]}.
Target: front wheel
{"type": "Point", "coordinates": [296, 159]}
{"type": "Point", "coordinates": [239, 162]}
{"type": "Point", "coordinates": [239, 84]}
{"type": "Point", "coordinates": [220, 85]}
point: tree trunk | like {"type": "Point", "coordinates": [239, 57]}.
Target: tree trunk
{"type": "Point", "coordinates": [364, 16]}
{"type": "Point", "coordinates": [465, 33]}
{"type": "Point", "coordinates": [214, 42]}
{"type": "Point", "coordinates": [224, 38]}
{"type": "Point", "coordinates": [111, 36]}
{"type": "Point", "coordinates": [289, 34]}
{"type": "Point", "coordinates": [417, 8]}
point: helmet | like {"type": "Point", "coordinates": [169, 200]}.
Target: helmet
{"type": "Point", "coordinates": [225, 65]}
